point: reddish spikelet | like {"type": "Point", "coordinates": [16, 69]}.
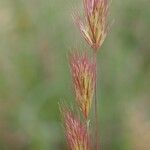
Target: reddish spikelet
{"type": "Point", "coordinates": [76, 132]}
{"type": "Point", "coordinates": [94, 27]}
{"type": "Point", "coordinates": [84, 75]}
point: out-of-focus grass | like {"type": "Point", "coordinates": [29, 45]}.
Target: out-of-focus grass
{"type": "Point", "coordinates": [35, 37]}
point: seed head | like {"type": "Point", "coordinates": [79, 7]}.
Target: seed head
{"type": "Point", "coordinates": [84, 75]}
{"type": "Point", "coordinates": [76, 132]}
{"type": "Point", "coordinates": [94, 27]}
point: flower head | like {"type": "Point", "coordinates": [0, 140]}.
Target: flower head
{"type": "Point", "coordinates": [76, 132]}
{"type": "Point", "coordinates": [84, 75]}
{"type": "Point", "coordinates": [94, 27]}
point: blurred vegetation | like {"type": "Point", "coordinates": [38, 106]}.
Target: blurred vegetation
{"type": "Point", "coordinates": [35, 37]}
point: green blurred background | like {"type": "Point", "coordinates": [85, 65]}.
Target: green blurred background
{"type": "Point", "coordinates": [35, 38]}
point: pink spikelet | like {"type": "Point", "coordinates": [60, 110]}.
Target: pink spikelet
{"type": "Point", "coordinates": [83, 72]}
{"type": "Point", "coordinates": [94, 28]}
{"type": "Point", "coordinates": [76, 132]}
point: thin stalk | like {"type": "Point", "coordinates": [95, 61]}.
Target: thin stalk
{"type": "Point", "coordinates": [97, 143]}
{"type": "Point", "coordinates": [87, 125]}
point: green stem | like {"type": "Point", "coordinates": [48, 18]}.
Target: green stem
{"type": "Point", "coordinates": [97, 143]}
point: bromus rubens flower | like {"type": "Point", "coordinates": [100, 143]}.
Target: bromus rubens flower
{"type": "Point", "coordinates": [94, 27]}
{"type": "Point", "coordinates": [76, 131]}
{"type": "Point", "coordinates": [83, 71]}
